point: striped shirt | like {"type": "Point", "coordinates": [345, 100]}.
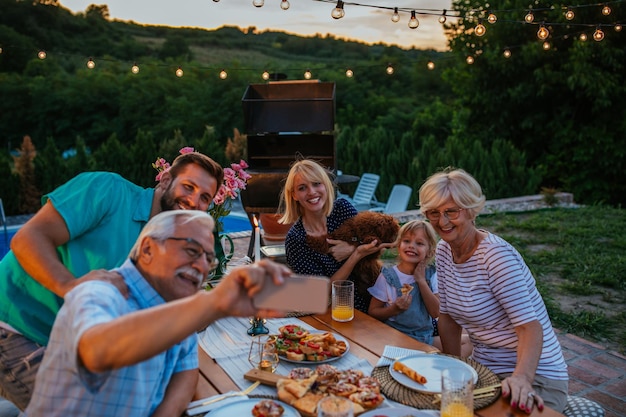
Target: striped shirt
{"type": "Point", "coordinates": [489, 295]}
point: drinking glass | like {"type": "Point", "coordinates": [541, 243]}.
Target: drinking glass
{"type": "Point", "coordinates": [457, 393]}
{"type": "Point", "coordinates": [342, 300]}
{"type": "Point", "coordinates": [263, 354]}
{"type": "Point", "coordinates": [334, 406]}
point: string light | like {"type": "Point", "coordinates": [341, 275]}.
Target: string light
{"type": "Point", "coordinates": [389, 69]}
{"type": "Point", "coordinates": [338, 11]}
{"type": "Point", "coordinates": [480, 29]}
{"type": "Point", "coordinates": [492, 18]}
{"type": "Point", "coordinates": [569, 14]}
{"type": "Point", "coordinates": [430, 65]}
{"type": "Point", "coordinates": [546, 45]}
{"type": "Point", "coordinates": [413, 22]}
{"type": "Point", "coordinates": [223, 74]}
{"type": "Point", "coordinates": [265, 75]}
{"type": "Point", "coordinates": [606, 10]}
{"type": "Point", "coordinates": [442, 19]}
{"type": "Point", "coordinates": [543, 33]}
{"type": "Point", "coordinates": [284, 4]}
{"type": "Point", "coordinates": [583, 37]}
{"type": "Point", "coordinates": [258, 3]}
{"type": "Point", "coordinates": [529, 17]}
{"type": "Point", "coordinates": [395, 17]}
{"type": "Point", "coordinates": [618, 27]}
{"type": "Point", "coordinates": [91, 64]}
{"type": "Point", "coordinates": [349, 73]}
{"type": "Point", "coordinates": [507, 53]}
{"type": "Point", "coordinates": [307, 74]}
{"type": "Point", "coordinates": [135, 68]}
{"type": "Point", "coordinates": [41, 55]}
{"type": "Point", "coordinates": [598, 35]}
{"type": "Point", "coordinates": [179, 72]}
{"type": "Point", "coordinates": [469, 59]}
{"type": "Point", "coordinates": [0, 49]}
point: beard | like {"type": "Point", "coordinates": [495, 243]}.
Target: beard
{"type": "Point", "coordinates": [168, 201]}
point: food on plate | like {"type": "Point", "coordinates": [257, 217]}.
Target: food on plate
{"type": "Point", "coordinates": [297, 344]}
{"type": "Point", "coordinates": [406, 289]}
{"type": "Point", "coordinates": [300, 373]}
{"type": "Point", "coordinates": [367, 398]}
{"type": "Point", "coordinates": [293, 331]}
{"type": "Point", "coordinates": [409, 372]}
{"type": "Point", "coordinates": [304, 392]}
{"type": "Point", "coordinates": [267, 408]}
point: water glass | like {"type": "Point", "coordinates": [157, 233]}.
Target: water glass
{"type": "Point", "coordinates": [342, 300]}
{"type": "Point", "coordinates": [457, 393]}
{"type": "Point", "coordinates": [333, 406]}
{"type": "Point", "coordinates": [263, 354]}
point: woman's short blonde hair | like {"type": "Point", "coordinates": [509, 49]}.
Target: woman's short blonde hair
{"type": "Point", "coordinates": [310, 171]}
{"type": "Point", "coordinates": [457, 184]}
{"type": "Point", "coordinates": [431, 236]}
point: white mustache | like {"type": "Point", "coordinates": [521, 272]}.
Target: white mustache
{"type": "Point", "coordinates": [191, 272]}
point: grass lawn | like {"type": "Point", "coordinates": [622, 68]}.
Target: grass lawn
{"type": "Point", "coordinates": [578, 257]}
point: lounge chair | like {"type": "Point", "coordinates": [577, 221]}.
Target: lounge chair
{"type": "Point", "coordinates": [397, 202]}
{"type": "Point", "coordinates": [364, 198]}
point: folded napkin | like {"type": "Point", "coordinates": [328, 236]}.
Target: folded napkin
{"type": "Point", "coordinates": [194, 408]}
{"type": "Point", "coordinates": [392, 353]}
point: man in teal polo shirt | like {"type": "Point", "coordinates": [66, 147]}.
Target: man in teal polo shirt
{"type": "Point", "coordinates": [84, 228]}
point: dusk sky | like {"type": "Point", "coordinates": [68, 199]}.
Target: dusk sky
{"type": "Point", "coordinates": [304, 17]}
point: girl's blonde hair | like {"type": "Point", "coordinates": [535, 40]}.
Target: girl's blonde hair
{"type": "Point", "coordinates": [310, 171]}
{"type": "Point", "coordinates": [412, 227]}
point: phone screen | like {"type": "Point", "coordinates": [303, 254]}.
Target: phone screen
{"type": "Point", "coordinates": [301, 293]}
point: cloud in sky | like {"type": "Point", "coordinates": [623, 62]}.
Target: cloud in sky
{"type": "Point", "coordinates": [304, 17]}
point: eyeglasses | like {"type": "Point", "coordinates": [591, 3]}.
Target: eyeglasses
{"type": "Point", "coordinates": [195, 250]}
{"type": "Point", "coordinates": [451, 214]}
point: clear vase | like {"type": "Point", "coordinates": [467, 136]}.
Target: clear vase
{"type": "Point", "coordinates": [224, 256]}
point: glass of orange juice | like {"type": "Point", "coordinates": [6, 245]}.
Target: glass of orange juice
{"type": "Point", "coordinates": [457, 393]}
{"type": "Point", "coordinates": [342, 300]}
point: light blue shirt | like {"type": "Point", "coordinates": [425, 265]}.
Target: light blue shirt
{"type": "Point", "coordinates": [104, 214]}
{"type": "Point", "coordinates": [64, 388]}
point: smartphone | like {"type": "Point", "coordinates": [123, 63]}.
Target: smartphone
{"type": "Point", "coordinates": [301, 293]}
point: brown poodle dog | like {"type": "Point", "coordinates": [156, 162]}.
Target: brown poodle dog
{"type": "Point", "coordinates": [365, 227]}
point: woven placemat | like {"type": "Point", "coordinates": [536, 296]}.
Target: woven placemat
{"type": "Point", "coordinates": [398, 392]}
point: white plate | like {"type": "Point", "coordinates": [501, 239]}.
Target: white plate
{"type": "Point", "coordinates": [430, 366]}
{"type": "Point", "coordinates": [334, 358]}
{"type": "Point", "coordinates": [244, 408]}
{"type": "Point", "coordinates": [400, 412]}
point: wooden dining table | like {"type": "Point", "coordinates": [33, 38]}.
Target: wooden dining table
{"type": "Point", "coordinates": [368, 338]}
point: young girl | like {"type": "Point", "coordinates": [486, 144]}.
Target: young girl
{"type": "Point", "coordinates": [405, 296]}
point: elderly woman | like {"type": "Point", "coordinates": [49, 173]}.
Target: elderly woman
{"type": "Point", "coordinates": [486, 288]}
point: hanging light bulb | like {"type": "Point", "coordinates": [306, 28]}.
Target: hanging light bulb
{"type": "Point", "coordinates": [480, 29]}
{"type": "Point", "coordinates": [507, 53]}
{"type": "Point", "coordinates": [569, 14]}
{"type": "Point", "coordinates": [41, 55]}
{"type": "Point", "coordinates": [0, 49]}
{"type": "Point", "coordinates": [606, 10]}
{"type": "Point", "coordinates": [179, 72]}
{"type": "Point", "coordinates": [395, 17]}
{"type": "Point", "coordinates": [338, 11]}
{"type": "Point", "coordinates": [307, 74]}
{"type": "Point", "coordinates": [492, 18]}
{"type": "Point", "coordinates": [389, 69]}
{"type": "Point", "coordinates": [469, 59]}
{"type": "Point", "coordinates": [583, 37]}
{"type": "Point", "coordinates": [598, 35]}
{"type": "Point", "coordinates": [413, 22]}
{"type": "Point", "coordinates": [430, 65]}
{"type": "Point", "coordinates": [349, 73]}
{"type": "Point", "coordinates": [258, 3]}
{"type": "Point", "coordinates": [91, 64]}
{"type": "Point", "coordinates": [442, 19]}
{"type": "Point", "coordinates": [265, 75]}
{"type": "Point", "coordinates": [543, 33]}
{"type": "Point", "coordinates": [618, 27]}
{"type": "Point", "coordinates": [529, 17]}
{"type": "Point", "coordinates": [135, 68]}
{"type": "Point", "coordinates": [223, 74]}
{"type": "Point", "coordinates": [546, 45]}
{"type": "Point", "coordinates": [284, 4]}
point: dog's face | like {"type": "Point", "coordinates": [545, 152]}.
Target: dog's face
{"type": "Point", "coordinates": [367, 226]}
